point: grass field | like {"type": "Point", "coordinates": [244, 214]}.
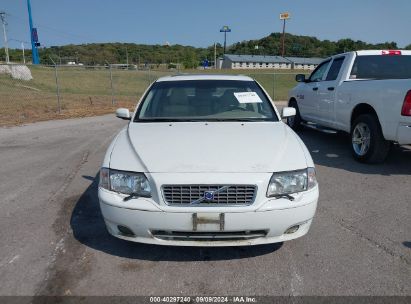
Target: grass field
{"type": "Point", "coordinates": [87, 92]}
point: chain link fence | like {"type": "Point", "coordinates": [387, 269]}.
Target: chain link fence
{"type": "Point", "coordinates": [278, 84]}
{"type": "Point", "coordinates": [48, 92]}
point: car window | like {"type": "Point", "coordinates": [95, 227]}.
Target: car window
{"type": "Point", "coordinates": [206, 100]}
{"type": "Point", "coordinates": [319, 72]}
{"type": "Point", "coordinates": [335, 69]}
{"type": "Point", "coordinates": [381, 67]}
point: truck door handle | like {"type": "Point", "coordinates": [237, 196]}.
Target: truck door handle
{"type": "Point", "coordinates": [331, 89]}
{"type": "Point", "coordinates": [315, 89]}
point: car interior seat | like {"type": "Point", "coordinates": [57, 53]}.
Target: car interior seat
{"type": "Point", "coordinates": [228, 101]}
{"type": "Point", "coordinates": [178, 105]}
{"type": "Point", "coordinates": [203, 102]}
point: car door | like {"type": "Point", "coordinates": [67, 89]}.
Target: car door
{"type": "Point", "coordinates": [326, 93]}
{"type": "Point", "coordinates": [308, 99]}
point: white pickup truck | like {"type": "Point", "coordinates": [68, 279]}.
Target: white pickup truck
{"type": "Point", "coordinates": [364, 93]}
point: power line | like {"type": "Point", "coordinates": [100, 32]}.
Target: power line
{"type": "Point", "coordinates": [52, 29]}
{"type": "Point", "coordinates": [22, 47]}
{"type": "Point", "coordinates": [19, 40]}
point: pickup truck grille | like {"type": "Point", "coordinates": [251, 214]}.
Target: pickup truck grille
{"type": "Point", "coordinates": [195, 195]}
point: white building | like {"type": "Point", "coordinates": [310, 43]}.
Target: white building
{"type": "Point", "coordinates": [302, 63]}
{"type": "Point", "coordinates": [268, 62]}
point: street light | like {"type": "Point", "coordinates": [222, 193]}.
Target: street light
{"type": "Point", "coordinates": [225, 29]}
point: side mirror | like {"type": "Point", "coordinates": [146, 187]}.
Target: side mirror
{"type": "Point", "coordinates": [300, 78]}
{"type": "Point", "coordinates": [123, 113]}
{"type": "Point", "coordinates": [288, 112]}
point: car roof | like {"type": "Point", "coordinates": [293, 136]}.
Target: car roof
{"type": "Point", "coordinates": [186, 77]}
{"type": "Point", "coordinates": [382, 52]}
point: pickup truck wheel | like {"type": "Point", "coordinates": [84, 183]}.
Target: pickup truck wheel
{"type": "Point", "coordinates": [295, 121]}
{"type": "Point", "coordinates": [367, 141]}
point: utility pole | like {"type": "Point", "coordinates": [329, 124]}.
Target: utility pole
{"type": "Point", "coordinates": [283, 40]}
{"type": "Point", "coordinates": [139, 62]}
{"type": "Point", "coordinates": [24, 57]}
{"type": "Point", "coordinates": [215, 55]}
{"type": "Point", "coordinates": [33, 37]}
{"type": "Point", "coordinates": [6, 46]}
{"type": "Point", "coordinates": [284, 17]}
{"type": "Point", "coordinates": [127, 56]}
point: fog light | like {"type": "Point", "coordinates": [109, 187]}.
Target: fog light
{"type": "Point", "coordinates": [292, 229]}
{"type": "Point", "coordinates": [125, 231]}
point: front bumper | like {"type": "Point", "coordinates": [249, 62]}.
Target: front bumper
{"type": "Point", "coordinates": [156, 224]}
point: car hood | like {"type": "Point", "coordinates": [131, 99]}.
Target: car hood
{"type": "Point", "coordinates": [208, 147]}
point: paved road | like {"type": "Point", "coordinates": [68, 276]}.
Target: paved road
{"type": "Point", "coordinates": [53, 240]}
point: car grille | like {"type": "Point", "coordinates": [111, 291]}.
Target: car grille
{"type": "Point", "coordinates": [236, 195]}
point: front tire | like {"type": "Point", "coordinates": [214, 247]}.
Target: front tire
{"type": "Point", "coordinates": [368, 144]}
{"type": "Point", "coordinates": [295, 121]}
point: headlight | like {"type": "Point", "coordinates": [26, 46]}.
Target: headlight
{"type": "Point", "coordinates": [291, 182]}
{"type": "Point", "coordinates": [125, 182]}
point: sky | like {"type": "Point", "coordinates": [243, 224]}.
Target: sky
{"type": "Point", "coordinates": [197, 23]}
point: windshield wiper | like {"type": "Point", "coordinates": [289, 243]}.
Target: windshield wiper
{"type": "Point", "coordinates": [166, 120]}
{"type": "Point", "coordinates": [240, 119]}
{"type": "Point", "coordinates": [202, 120]}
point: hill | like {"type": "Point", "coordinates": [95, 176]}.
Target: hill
{"type": "Point", "coordinates": [305, 46]}
{"type": "Point", "coordinates": [190, 57]}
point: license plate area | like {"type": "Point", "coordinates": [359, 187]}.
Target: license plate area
{"type": "Point", "coordinates": [208, 221]}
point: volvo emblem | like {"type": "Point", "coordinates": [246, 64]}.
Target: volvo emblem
{"type": "Point", "coordinates": [209, 195]}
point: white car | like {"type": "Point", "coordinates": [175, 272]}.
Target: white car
{"type": "Point", "coordinates": [207, 161]}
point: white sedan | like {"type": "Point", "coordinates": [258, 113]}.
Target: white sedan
{"type": "Point", "coordinates": [207, 161]}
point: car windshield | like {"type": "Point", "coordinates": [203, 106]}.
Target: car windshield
{"type": "Point", "coordinates": [205, 100]}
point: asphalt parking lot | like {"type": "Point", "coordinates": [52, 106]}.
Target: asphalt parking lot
{"type": "Point", "coordinates": [53, 239]}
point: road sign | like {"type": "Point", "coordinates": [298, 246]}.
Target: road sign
{"type": "Point", "coordinates": [225, 29]}
{"type": "Point", "coordinates": [284, 16]}
{"type": "Point", "coordinates": [34, 35]}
